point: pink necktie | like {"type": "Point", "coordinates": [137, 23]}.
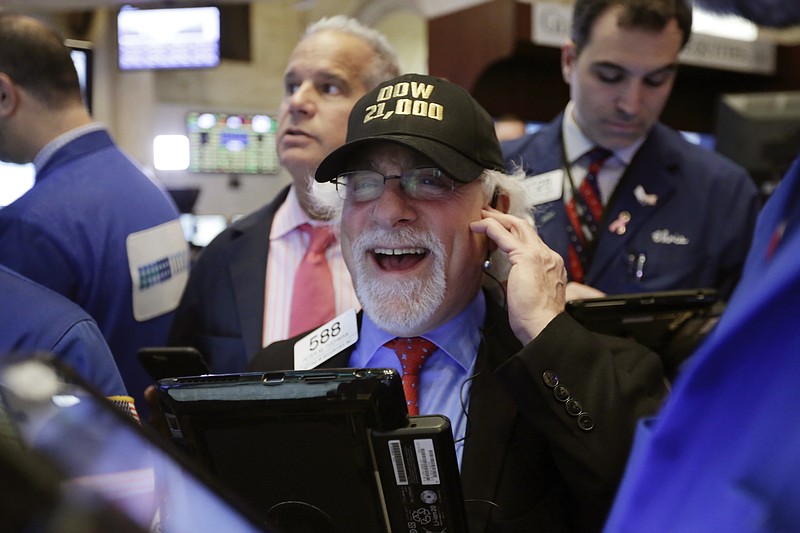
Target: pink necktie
{"type": "Point", "coordinates": [412, 353]}
{"type": "Point", "coordinates": [313, 299]}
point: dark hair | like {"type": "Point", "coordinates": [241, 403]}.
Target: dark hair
{"type": "Point", "coordinates": [35, 57]}
{"type": "Point", "coordinates": [649, 14]}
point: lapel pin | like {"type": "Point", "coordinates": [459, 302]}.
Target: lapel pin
{"type": "Point", "coordinates": [643, 198]}
{"type": "Point", "coordinates": [618, 226]}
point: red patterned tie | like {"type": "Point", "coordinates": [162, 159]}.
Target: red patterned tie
{"type": "Point", "coordinates": [313, 299]}
{"type": "Point", "coordinates": [584, 211]}
{"type": "Point", "coordinates": [412, 353]}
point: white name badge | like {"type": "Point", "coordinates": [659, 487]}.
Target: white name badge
{"type": "Point", "coordinates": [326, 341]}
{"type": "Point", "coordinates": [158, 260]}
{"type": "Point", "coordinates": [545, 187]}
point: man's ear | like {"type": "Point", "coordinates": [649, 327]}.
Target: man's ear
{"type": "Point", "coordinates": [569, 55]}
{"type": "Point", "coordinates": [9, 97]}
{"type": "Point", "coordinates": [503, 202]}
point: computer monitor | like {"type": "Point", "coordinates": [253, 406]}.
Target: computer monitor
{"type": "Point", "coordinates": [82, 55]}
{"type": "Point", "coordinates": [168, 37]}
{"type": "Point", "coordinates": [232, 143]}
{"type": "Point", "coordinates": [761, 132]}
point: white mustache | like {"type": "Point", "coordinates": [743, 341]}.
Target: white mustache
{"type": "Point", "coordinates": [402, 239]}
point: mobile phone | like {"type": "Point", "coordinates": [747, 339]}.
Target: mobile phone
{"type": "Point", "coordinates": [162, 362]}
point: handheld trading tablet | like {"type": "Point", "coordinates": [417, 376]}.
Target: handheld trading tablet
{"type": "Point", "coordinates": [671, 323]}
{"type": "Point", "coordinates": [81, 464]}
{"type": "Point", "coordinates": [321, 450]}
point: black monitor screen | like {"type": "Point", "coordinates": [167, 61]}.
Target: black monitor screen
{"type": "Point", "coordinates": [760, 131]}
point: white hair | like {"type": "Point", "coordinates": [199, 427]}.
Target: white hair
{"type": "Point", "coordinates": [385, 64]}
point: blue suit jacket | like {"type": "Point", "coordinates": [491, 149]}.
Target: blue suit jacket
{"type": "Point", "coordinates": [222, 309]}
{"type": "Point", "coordinates": [723, 455]}
{"type": "Point", "coordinates": [696, 235]}
{"type": "Point", "coordinates": [34, 319]}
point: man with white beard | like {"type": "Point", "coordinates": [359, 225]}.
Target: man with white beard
{"type": "Point", "coordinates": [542, 410]}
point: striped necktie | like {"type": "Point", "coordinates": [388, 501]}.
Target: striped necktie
{"type": "Point", "coordinates": [585, 210]}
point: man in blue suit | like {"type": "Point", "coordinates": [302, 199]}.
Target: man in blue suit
{"type": "Point", "coordinates": [722, 456]}
{"type": "Point", "coordinates": [667, 214]}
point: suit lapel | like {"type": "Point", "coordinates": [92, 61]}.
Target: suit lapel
{"type": "Point", "coordinates": [248, 271]}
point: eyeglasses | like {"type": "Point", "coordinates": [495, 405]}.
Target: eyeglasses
{"type": "Point", "coordinates": [419, 183]}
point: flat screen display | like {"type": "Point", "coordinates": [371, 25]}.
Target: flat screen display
{"type": "Point", "coordinates": [81, 53]}
{"type": "Point", "coordinates": [168, 38]}
{"type": "Point", "coordinates": [232, 143]}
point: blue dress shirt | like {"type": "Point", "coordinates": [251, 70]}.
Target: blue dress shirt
{"type": "Point", "coordinates": [445, 378]}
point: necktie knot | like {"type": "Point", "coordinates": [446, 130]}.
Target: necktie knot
{"type": "Point", "coordinates": [599, 154]}
{"type": "Point", "coordinates": [320, 238]}
{"type": "Point", "coordinates": [597, 157]}
{"type": "Point", "coordinates": [412, 353]}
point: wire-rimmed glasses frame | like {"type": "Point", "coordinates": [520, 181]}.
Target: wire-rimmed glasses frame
{"type": "Point", "coordinates": [425, 183]}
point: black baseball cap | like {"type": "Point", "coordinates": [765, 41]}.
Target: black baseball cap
{"type": "Point", "coordinates": [435, 117]}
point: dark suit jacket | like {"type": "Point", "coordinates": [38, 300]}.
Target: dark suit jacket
{"type": "Point", "coordinates": [527, 465]}
{"type": "Point", "coordinates": [697, 234]}
{"type": "Point", "coordinates": [222, 309]}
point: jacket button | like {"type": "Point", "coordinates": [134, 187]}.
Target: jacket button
{"type": "Point", "coordinates": [561, 393]}
{"type": "Point", "coordinates": [585, 422]}
{"type": "Point", "coordinates": [573, 407]}
{"type": "Point", "coordinates": [550, 378]}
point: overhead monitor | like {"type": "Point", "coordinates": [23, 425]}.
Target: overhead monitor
{"type": "Point", "coordinates": [232, 143]}
{"type": "Point", "coordinates": [168, 37]}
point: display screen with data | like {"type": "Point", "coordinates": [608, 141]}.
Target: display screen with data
{"type": "Point", "coordinates": [232, 143]}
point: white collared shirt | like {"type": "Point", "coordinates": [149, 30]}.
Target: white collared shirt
{"type": "Point", "coordinates": [577, 144]}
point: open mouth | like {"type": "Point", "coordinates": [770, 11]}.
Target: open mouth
{"type": "Point", "coordinates": [393, 259]}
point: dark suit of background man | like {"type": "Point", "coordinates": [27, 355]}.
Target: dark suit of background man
{"type": "Point", "coordinates": [229, 309]}
{"type": "Point", "coordinates": [548, 407]}
{"type": "Point", "coordinates": [675, 215]}
{"type": "Point", "coordinates": [722, 455]}
{"type": "Point", "coordinates": [94, 227]}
